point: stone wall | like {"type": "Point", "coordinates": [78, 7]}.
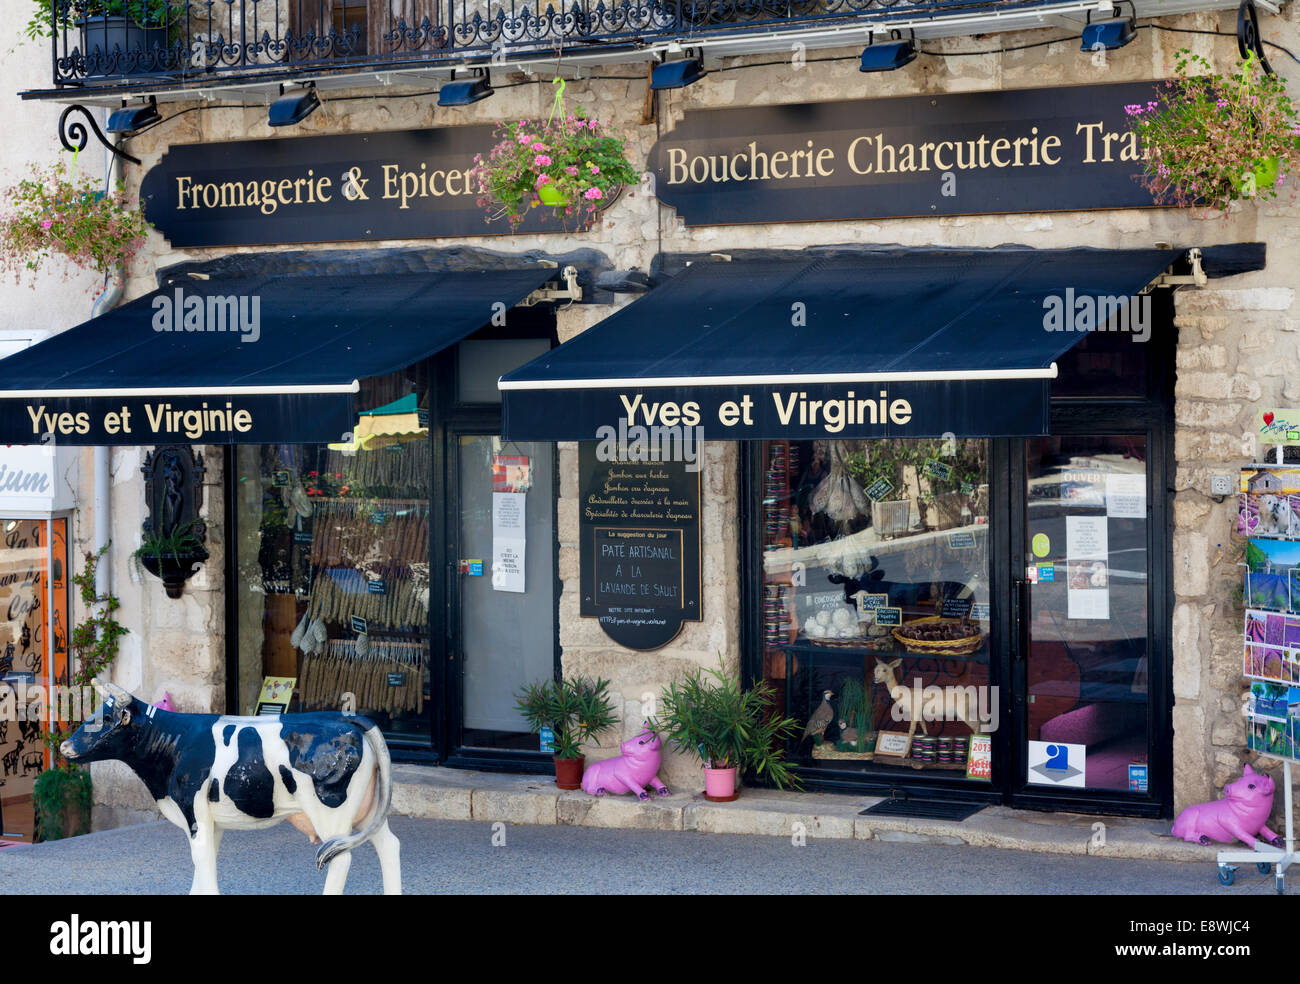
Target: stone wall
{"type": "Point", "coordinates": [1237, 349]}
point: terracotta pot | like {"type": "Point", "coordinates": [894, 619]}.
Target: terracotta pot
{"type": "Point", "coordinates": [720, 785]}
{"type": "Point", "coordinates": [568, 772]}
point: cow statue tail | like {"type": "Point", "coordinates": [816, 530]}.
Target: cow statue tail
{"type": "Point", "coordinates": [379, 811]}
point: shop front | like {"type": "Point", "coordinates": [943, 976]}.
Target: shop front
{"type": "Point", "coordinates": [943, 484]}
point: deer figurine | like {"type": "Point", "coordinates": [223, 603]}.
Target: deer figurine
{"type": "Point", "coordinates": [918, 704]}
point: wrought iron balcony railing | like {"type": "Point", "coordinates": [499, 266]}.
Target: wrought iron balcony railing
{"type": "Point", "coordinates": [114, 44]}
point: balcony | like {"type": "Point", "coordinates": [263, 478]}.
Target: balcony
{"type": "Point", "coordinates": [104, 49]}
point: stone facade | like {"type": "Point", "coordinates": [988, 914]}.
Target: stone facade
{"type": "Point", "coordinates": [1237, 350]}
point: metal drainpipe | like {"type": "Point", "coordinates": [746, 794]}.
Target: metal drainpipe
{"type": "Point", "coordinates": [106, 301]}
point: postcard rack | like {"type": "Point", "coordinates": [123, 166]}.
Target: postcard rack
{"type": "Point", "coordinates": [1271, 655]}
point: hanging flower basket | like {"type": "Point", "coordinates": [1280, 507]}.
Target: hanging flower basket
{"type": "Point", "coordinates": [1214, 139]}
{"type": "Point", "coordinates": [54, 212]}
{"type": "Point", "coordinates": [565, 161]}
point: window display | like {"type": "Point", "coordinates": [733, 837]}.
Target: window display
{"type": "Point", "coordinates": [876, 603]}
{"type": "Point", "coordinates": [334, 563]}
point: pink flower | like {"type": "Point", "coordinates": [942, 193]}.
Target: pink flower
{"type": "Point", "coordinates": [570, 170]}
{"type": "Point", "coordinates": [593, 194]}
{"type": "Point", "coordinates": [541, 160]}
{"type": "Point", "coordinates": [525, 139]}
{"type": "Point", "coordinates": [538, 146]}
{"type": "Point", "coordinates": [45, 224]}
{"type": "Point", "coordinates": [594, 168]}
{"type": "Point", "coordinates": [541, 180]}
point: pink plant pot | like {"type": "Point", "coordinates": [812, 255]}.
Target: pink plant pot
{"type": "Point", "coordinates": [720, 784]}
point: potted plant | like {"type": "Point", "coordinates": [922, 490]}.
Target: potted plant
{"type": "Point", "coordinates": [564, 161]}
{"type": "Point", "coordinates": [856, 719]}
{"type": "Point", "coordinates": [61, 796]}
{"type": "Point", "coordinates": [575, 710]}
{"type": "Point", "coordinates": [118, 37]}
{"type": "Point", "coordinates": [729, 728]}
{"type": "Point", "coordinates": [881, 471]}
{"type": "Point", "coordinates": [55, 213]}
{"type": "Point", "coordinates": [172, 556]}
{"type": "Point", "coordinates": [1213, 139]}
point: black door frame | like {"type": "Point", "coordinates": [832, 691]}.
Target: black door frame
{"type": "Point", "coordinates": [448, 419]}
{"type": "Point", "coordinates": [1151, 415]}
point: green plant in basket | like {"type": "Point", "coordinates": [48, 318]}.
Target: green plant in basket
{"type": "Point", "coordinates": [565, 160]}
{"type": "Point", "coordinates": [576, 709]}
{"type": "Point", "coordinates": [54, 212]}
{"type": "Point", "coordinates": [1212, 139]}
{"type": "Point", "coordinates": [710, 715]}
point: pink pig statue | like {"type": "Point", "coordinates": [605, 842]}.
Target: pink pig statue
{"type": "Point", "coordinates": [1240, 815]}
{"type": "Point", "coordinates": [631, 772]}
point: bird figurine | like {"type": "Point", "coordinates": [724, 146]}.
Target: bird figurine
{"type": "Point", "coordinates": [847, 734]}
{"type": "Point", "coordinates": [821, 718]}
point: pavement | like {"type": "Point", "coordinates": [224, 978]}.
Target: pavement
{"type": "Point", "coordinates": [454, 794]}
{"type": "Point", "coordinates": [447, 857]}
{"type": "Point", "coordinates": [487, 833]}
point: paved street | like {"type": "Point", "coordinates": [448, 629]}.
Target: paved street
{"type": "Point", "coordinates": [449, 857]}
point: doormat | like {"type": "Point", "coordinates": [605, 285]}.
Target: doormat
{"type": "Point", "coordinates": [923, 809]}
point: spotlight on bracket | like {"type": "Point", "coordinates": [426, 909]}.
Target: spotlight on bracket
{"type": "Point", "coordinates": [129, 119]}
{"type": "Point", "coordinates": [676, 74]}
{"type": "Point", "coordinates": [466, 91]}
{"type": "Point", "coordinates": [1109, 34]}
{"type": "Point", "coordinates": [887, 55]}
{"type": "Point", "coordinates": [294, 107]}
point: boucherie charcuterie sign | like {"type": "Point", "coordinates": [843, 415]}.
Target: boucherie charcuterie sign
{"type": "Point", "coordinates": [1022, 150]}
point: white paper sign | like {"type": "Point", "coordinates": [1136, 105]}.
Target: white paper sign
{"type": "Point", "coordinates": [1087, 573]}
{"type": "Point", "coordinates": [1085, 537]}
{"type": "Point", "coordinates": [1126, 496]}
{"type": "Point", "coordinates": [509, 539]}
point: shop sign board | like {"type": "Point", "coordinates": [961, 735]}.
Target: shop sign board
{"type": "Point", "coordinates": [405, 184]}
{"type": "Point", "coordinates": [1018, 150]}
{"type": "Point", "coordinates": [639, 535]}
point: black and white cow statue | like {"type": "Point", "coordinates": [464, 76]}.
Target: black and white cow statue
{"type": "Point", "coordinates": [328, 774]}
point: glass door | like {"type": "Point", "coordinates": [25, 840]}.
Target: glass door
{"type": "Point", "coordinates": [1084, 668]}
{"type": "Point", "coordinates": [503, 581]}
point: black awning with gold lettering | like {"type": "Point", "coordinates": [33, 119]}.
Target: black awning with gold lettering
{"type": "Point", "coordinates": [242, 360]}
{"type": "Point", "coordinates": [886, 342]}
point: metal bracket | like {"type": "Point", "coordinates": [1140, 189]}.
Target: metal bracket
{"type": "Point", "coordinates": [1196, 278]}
{"type": "Point", "coordinates": [571, 291]}
{"type": "Point", "coordinates": [77, 132]}
{"type": "Point", "coordinates": [1248, 39]}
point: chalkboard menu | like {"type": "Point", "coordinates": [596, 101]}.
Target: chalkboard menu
{"type": "Point", "coordinates": [639, 533]}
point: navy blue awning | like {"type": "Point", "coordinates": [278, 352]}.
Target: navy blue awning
{"type": "Point", "coordinates": [876, 343]}
{"type": "Point", "coordinates": [246, 360]}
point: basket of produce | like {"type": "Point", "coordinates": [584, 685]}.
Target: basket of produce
{"type": "Point", "coordinates": [940, 636]}
{"type": "Point", "coordinates": [839, 628]}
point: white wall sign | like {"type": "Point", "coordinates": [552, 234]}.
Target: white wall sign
{"type": "Point", "coordinates": [509, 539]}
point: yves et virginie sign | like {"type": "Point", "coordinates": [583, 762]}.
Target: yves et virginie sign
{"type": "Point", "coordinates": [983, 152]}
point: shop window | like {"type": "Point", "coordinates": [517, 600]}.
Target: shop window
{"type": "Point", "coordinates": [35, 673]}
{"type": "Point", "coordinates": [876, 575]}
{"type": "Point", "coordinates": [1104, 363]}
{"type": "Point", "coordinates": [333, 555]}
{"type": "Point", "coordinates": [481, 362]}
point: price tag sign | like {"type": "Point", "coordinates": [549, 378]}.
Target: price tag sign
{"type": "Point", "coordinates": [869, 604]}
{"type": "Point", "coordinates": [358, 624]}
{"type": "Point", "coordinates": [956, 607]}
{"type": "Point", "coordinates": [879, 489]}
{"type": "Point", "coordinates": [980, 612]}
{"type": "Point", "coordinates": [397, 679]}
{"type": "Point", "coordinates": [961, 541]}
{"type": "Point", "coordinates": [938, 469]}
{"type": "Point", "coordinates": [376, 586]}
{"type": "Point", "coordinates": [889, 616]}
